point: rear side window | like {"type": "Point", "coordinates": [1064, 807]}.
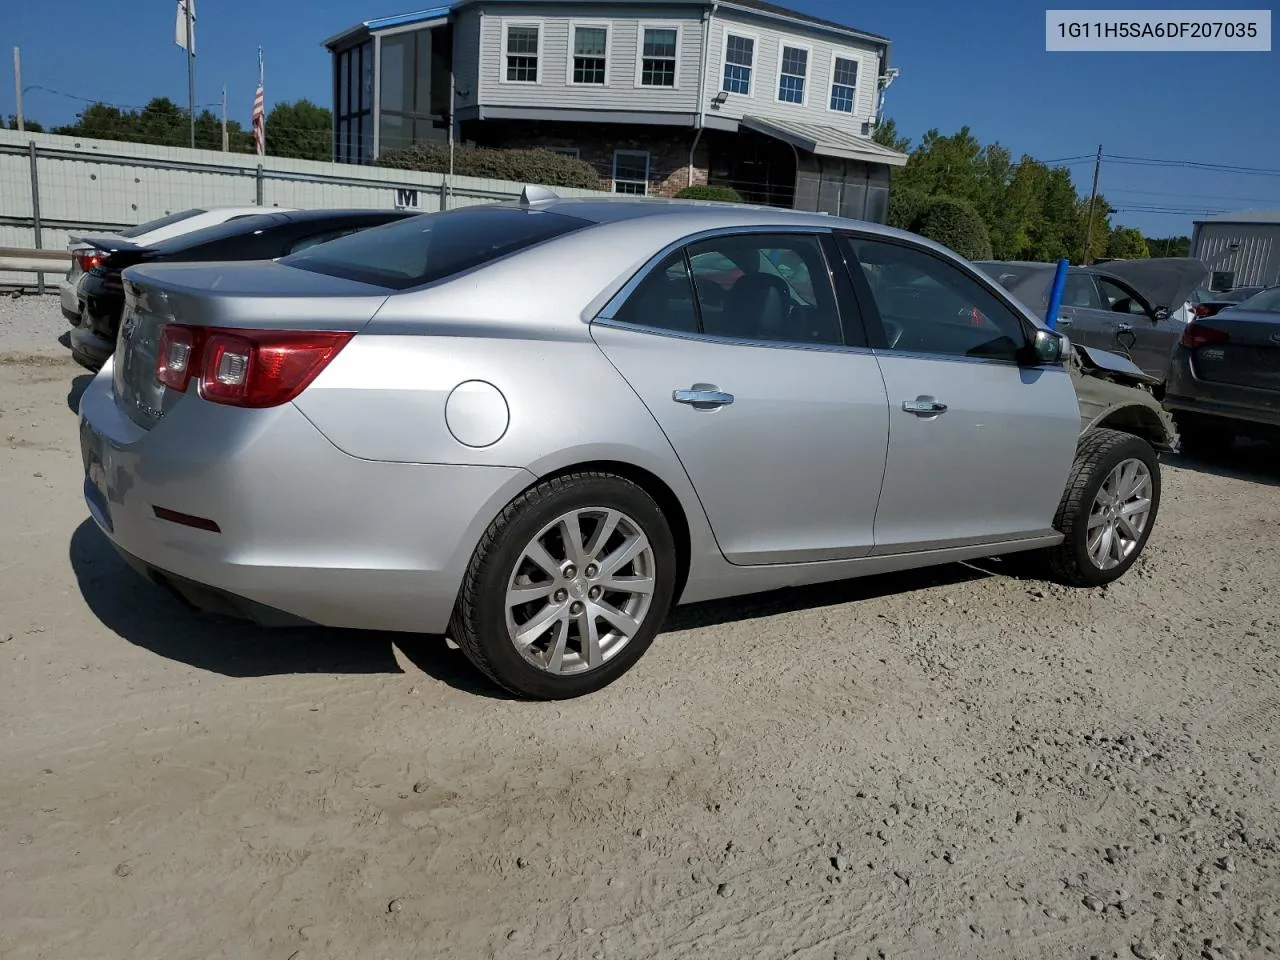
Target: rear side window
{"type": "Point", "coordinates": [159, 222]}
{"type": "Point", "coordinates": [433, 246]}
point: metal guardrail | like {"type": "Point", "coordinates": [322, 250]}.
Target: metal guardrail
{"type": "Point", "coordinates": [23, 260]}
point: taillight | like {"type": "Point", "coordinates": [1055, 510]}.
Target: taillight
{"type": "Point", "coordinates": [1194, 336]}
{"type": "Point", "coordinates": [1202, 310]}
{"type": "Point", "coordinates": [244, 368]}
{"type": "Point", "coordinates": [89, 259]}
{"type": "Point", "coordinates": [175, 356]}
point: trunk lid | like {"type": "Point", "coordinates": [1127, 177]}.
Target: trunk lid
{"type": "Point", "coordinates": [262, 295]}
{"type": "Point", "coordinates": [1250, 357]}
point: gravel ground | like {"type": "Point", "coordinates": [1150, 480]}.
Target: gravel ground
{"type": "Point", "coordinates": [955, 763]}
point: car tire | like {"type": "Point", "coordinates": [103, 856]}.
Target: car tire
{"type": "Point", "coordinates": [1086, 512]}
{"type": "Point", "coordinates": [491, 631]}
{"type": "Point", "coordinates": [1203, 438]}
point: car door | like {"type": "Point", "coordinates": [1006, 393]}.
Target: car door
{"type": "Point", "coordinates": [764, 388]}
{"type": "Point", "coordinates": [980, 438]}
{"type": "Point", "coordinates": [1082, 315]}
{"type": "Point", "coordinates": [1142, 335]}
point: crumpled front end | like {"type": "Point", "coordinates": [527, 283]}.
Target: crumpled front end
{"type": "Point", "coordinates": [1109, 397]}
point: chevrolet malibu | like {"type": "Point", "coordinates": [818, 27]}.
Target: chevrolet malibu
{"type": "Point", "coordinates": [536, 425]}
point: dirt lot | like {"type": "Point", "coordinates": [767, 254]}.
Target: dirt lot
{"type": "Point", "coordinates": [947, 764]}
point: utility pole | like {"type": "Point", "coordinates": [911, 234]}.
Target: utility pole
{"type": "Point", "coordinates": [1093, 197]}
{"type": "Point", "coordinates": [191, 70]}
{"type": "Point", "coordinates": [17, 87]}
{"type": "Point", "coordinates": [453, 89]}
{"type": "Point", "coordinates": [225, 146]}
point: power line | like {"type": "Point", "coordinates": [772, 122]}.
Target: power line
{"type": "Point", "coordinates": [1191, 165]}
{"type": "Point", "coordinates": [1195, 196]}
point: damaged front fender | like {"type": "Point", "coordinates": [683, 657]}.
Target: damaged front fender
{"type": "Point", "coordinates": [1114, 394]}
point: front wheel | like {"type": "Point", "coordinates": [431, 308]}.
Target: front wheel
{"type": "Point", "coordinates": [568, 586]}
{"type": "Point", "coordinates": [1108, 509]}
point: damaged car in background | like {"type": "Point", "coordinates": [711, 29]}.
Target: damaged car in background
{"type": "Point", "coordinates": [538, 425]}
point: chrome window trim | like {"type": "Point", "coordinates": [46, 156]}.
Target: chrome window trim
{"type": "Point", "coordinates": [729, 341]}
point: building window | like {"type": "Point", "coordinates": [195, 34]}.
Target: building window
{"type": "Point", "coordinates": [590, 54]}
{"type": "Point", "coordinates": [844, 82]}
{"type": "Point", "coordinates": [522, 54]}
{"type": "Point", "coordinates": [567, 152]}
{"type": "Point", "coordinates": [631, 172]}
{"type": "Point", "coordinates": [739, 59]}
{"type": "Point", "coordinates": [353, 118]}
{"type": "Point", "coordinates": [793, 70]}
{"type": "Point", "coordinates": [658, 57]}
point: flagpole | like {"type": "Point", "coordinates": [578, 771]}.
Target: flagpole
{"type": "Point", "coordinates": [191, 74]}
{"type": "Point", "coordinates": [224, 119]}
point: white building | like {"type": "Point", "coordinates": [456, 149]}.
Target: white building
{"type": "Point", "coordinates": [1242, 249]}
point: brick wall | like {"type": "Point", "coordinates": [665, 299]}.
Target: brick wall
{"type": "Point", "coordinates": [596, 143]}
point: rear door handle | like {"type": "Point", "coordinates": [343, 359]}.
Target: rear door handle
{"type": "Point", "coordinates": [924, 407]}
{"type": "Point", "coordinates": [703, 396]}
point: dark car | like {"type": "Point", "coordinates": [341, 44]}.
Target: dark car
{"type": "Point", "coordinates": [1206, 303]}
{"type": "Point", "coordinates": [1224, 381]}
{"type": "Point", "coordinates": [264, 236]}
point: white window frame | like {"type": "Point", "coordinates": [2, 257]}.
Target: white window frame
{"type": "Point", "coordinates": [831, 81]}
{"type": "Point", "coordinates": [604, 25]}
{"type": "Point", "coordinates": [613, 170]}
{"type": "Point", "coordinates": [542, 39]}
{"type": "Point", "coordinates": [783, 43]}
{"type": "Point", "coordinates": [644, 25]}
{"type": "Point", "coordinates": [574, 152]}
{"type": "Point", "coordinates": [755, 59]}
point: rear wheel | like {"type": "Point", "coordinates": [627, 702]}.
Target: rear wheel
{"type": "Point", "coordinates": [568, 586]}
{"type": "Point", "coordinates": [1108, 509]}
{"type": "Point", "coordinates": [1203, 438]}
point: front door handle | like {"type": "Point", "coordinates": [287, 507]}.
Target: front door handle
{"type": "Point", "coordinates": [1124, 328]}
{"type": "Point", "coordinates": [703, 396]}
{"type": "Point", "coordinates": [924, 407]}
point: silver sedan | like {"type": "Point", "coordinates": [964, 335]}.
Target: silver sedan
{"type": "Point", "coordinates": [537, 425]}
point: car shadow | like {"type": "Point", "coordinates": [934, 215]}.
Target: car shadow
{"type": "Point", "coordinates": [79, 385]}
{"type": "Point", "coordinates": [1245, 460]}
{"type": "Point", "coordinates": [65, 339]}
{"type": "Point", "coordinates": [150, 617]}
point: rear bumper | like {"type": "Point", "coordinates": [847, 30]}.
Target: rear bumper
{"type": "Point", "coordinates": [89, 349]}
{"type": "Point", "coordinates": [305, 530]}
{"type": "Point", "coordinates": [1250, 407]}
{"type": "Point", "coordinates": [69, 301]}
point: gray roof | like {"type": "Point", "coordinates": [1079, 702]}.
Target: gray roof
{"type": "Point", "coordinates": [825, 141]}
{"type": "Point", "coordinates": [1243, 216]}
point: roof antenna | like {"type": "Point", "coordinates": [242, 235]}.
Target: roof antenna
{"type": "Point", "coordinates": [535, 194]}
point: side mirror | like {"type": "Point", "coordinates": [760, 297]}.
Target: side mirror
{"type": "Point", "coordinates": [1161, 313]}
{"type": "Point", "coordinates": [1050, 347]}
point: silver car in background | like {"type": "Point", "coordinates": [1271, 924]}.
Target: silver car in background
{"type": "Point", "coordinates": [537, 425]}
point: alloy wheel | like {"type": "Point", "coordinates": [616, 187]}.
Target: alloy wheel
{"type": "Point", "coordinates": [580, 590]}
{"type": "Point", "coordinates": [1119, 514]}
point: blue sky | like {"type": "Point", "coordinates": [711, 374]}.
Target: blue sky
{"type": "Point", "coordinates": [980, 64]}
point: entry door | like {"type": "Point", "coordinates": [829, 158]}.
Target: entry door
{"type": "Point", "coordinates": [1083, 316]}
{"type": "Point", "coordinates": [1139, 335]}
{"type": "Point", "coordinates": [979, 446]}
{"type": "Point", "coordinates": [780, 425]}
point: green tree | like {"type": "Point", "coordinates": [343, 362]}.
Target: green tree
{"type": "Point", "coordinates": [905, 207]}
{"type": "Point", "coordinates": [160, 122]}
{"type": "Point", "coordinates": [1127, 243]}
{"type": "Point", "coordinates": [29, 125]}
{"type": "Point", "coordinates": [956, 223]}
{"type": "Point", "coordinates": [886, 134]}
{"type": "Point", "coordinates": [1169, 246]}
{"type": "Point", "coordinates": [301, 130]}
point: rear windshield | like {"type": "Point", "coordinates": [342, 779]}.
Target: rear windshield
{"type": "Point", "coordinates": [156, 224]}
{"type": "Point", "coordinates": [1240, 293]}
{"type": "Point", "coordinates": [1268, 300]}
{"type": "Point", "coordinates": [238, 227]}
{"type": "Point", "coordinates": [433, 246]}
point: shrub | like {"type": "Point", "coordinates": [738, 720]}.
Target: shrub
{"type": "Point", "coordinates": [906, 207]}
{"type": "Point", "coordinates": [705, 191]}
{"type": "Point", "coordinates": [956, 224]}
{"type": "Point", "coordinates": [541, 167]}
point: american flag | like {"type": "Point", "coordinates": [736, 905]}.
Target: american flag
{"type": "Point", "coordinates": [259, 113]}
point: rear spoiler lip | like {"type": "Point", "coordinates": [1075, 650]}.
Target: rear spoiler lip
{"type": "Point", "coordinates": [108, 243]}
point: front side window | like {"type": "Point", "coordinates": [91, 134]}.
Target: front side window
{"type": "Point", "coordinates": [739, 59]}
{"type": "Point", "coordinates": [1079, 291]}
{"type": "Point", "coordinates": [589, 54]}
{"type": "Point", "coordinates": [928, 305]}
{"type": "Point", "coordinates": [522, 54]}
{"type": "Point", "coordinates": [631, 172]}
{"type": "Point", "coordinates": [1120, 300]}
{"type": "Point", "coordinates": [795, 68]}
{"type": "Point", "coordinates": [844, 84]}
{"type": "Point", "coordinates": [658, 57]}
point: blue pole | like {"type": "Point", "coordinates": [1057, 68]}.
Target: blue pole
{"type": "Point", "coordinates": [1055, 295]}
